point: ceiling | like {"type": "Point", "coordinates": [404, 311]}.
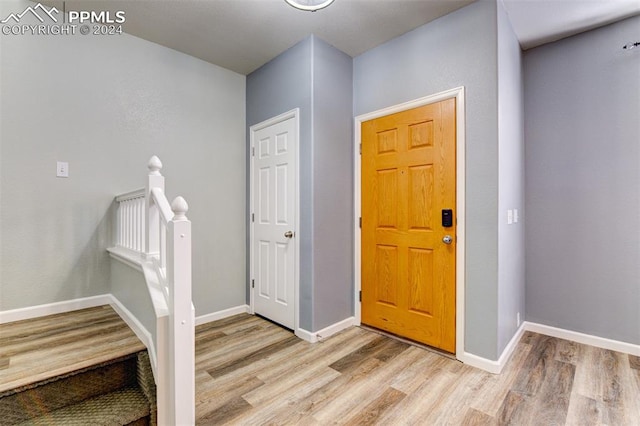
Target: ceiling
{"type": "Point", "coordinates": [242, 35]}
{"type": "Point", "coordinates": [537, 22]}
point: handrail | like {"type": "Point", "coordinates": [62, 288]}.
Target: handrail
{"type": "Point", "coordinates": [132, 195]}
{"type": "Point", "coordinates": [166, 214]}
{"type": "Point", "coordinates": [159, 234]}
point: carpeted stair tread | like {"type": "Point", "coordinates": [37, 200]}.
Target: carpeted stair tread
{"type": "Point", "coordinates": [117, 408]}
{"type": "Point", "coordinates": [85, 367]}
{"type": "Point", "coordinates": [147, 384]}
{"type": "Point", "coordinates": [51, 395]}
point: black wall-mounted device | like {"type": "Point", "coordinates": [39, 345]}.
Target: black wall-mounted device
{"type": "Point", "coordinates": [447, 218]}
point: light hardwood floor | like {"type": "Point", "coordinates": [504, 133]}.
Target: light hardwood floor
{"type": "Point", "coordinates": [38, 349]}
{"type": "Point", "coordinates": [250, 371]}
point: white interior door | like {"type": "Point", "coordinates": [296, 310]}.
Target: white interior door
{"type": "Point", "coordinates": [273, 196]}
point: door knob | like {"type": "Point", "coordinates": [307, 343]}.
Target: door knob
{"type": "Point", "coordinates": [447, 239]}
{"type": "Point", "coordinates": [288, 234]}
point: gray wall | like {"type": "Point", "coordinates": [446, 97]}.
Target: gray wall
{"type": "Point", "coordinates": [105, 105]}
{"type": "Point", "coordinates": [511, 244]}
{"type": "Point", "coordinates": [130, 288]}
{"type": "Point", "coordinates": [316, 78]}
{"type": "Point", "coordinates": [582, 103]}
{"type": "Point", "coordinates": [279, 86]}
{"type": "Point", "coordinates": [332, 185]}
{"type": "Point", "coordinates": [459, 49]}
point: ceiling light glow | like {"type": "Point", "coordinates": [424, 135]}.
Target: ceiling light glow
{"type": "Point", "coordinates": [309, 5]}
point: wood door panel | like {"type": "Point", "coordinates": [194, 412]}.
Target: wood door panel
{"type": "Point", "coordinates": [421, 134]}
{"type": "Point", "coordinates": [421, 193]}
{"type": "Point", "coordinates": [387, 141]}
{"type": "Point", "coordinates": [408, 177]}
{"type": "Point", "coordinates": [386, 289]}
{"type": "Point", "coordinates": [420, 270]}
{"type": "Point", "coordinates": [386, 185]}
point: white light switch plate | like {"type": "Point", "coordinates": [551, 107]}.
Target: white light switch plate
{"type": "Point", "coordinates": [509, 217]}
{"type": "Point", "coordinates": [62, 169]}
{"type": "Point", "coordinates": [515, 216]}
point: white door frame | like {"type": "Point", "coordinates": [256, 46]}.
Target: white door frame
{"type": "Point", "coordinates": [295, 114]}
{"type": "Point", "coordinates": [458, 94]}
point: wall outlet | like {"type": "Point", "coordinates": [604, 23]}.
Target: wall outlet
{"type": "Point", "coordinates": [518, 320]}
{"type": "Point", "coordinates": [62, 169]}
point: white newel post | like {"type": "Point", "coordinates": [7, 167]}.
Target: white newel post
{"type": "Point", "coordinates": [152, 222]}
{"type": "Point", "coordinates": [181, 311]}
{"type": "Point", "coordinates": [156, 235]}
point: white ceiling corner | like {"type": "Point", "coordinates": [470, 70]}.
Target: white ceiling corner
{"type": "Point", "coordinates": [537, 22]}
{"type": "Point", "coordinates": [242, 35]}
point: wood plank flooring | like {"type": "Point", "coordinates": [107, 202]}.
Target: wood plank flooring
{"type": "Point", "coordinates": [252, 372]}
{"type": "Point", "coordinates": [38, 349]}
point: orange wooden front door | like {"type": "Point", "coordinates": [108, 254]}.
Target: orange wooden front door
{"type": "Point", "coordinates": [408, 178]}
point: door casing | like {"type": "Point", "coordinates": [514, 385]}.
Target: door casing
{"type": "Point", "coordinates": [458, 94]}
{"type": "Point", "coordinates": [295, 114]}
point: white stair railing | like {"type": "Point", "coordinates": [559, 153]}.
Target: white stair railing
{"type": "Point", "coordinates": [168, 245]}
{"type": "Point", "coordinates": [159, 234]}
{"type": "Point", "coordinates": [130, 218]}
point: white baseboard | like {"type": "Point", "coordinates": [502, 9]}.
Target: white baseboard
{"type": "Point", "coordinates": [140, 331]}
{"type": "Point", "coordinates": [491, 366]}
{"type": "Point", "coordinates": [586, 339]}
{"type": "Point", "coordinates": [335, 328]}
{"type": "Point", "coordinates": [479, 362]}
{"type": "Point", "coordinates": [54, 308]}
{"type": "Point", "coordinates": [320, 335]}
{"type": "Point", "coordinates": [143, 334]}
{"type": "Point", "coordinates": [225, 313]}
{"type": "Point", "coordinates": [306, 335]}
{"type": "Point", "coordinates": [82, 303]}
{"type": "Point", "coordinates": [574, 336]}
